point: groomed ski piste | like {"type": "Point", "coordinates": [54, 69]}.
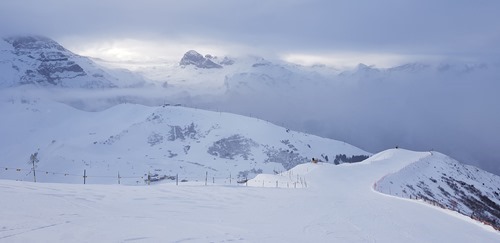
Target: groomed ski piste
{"type": "Point", "coordinates": [339, 204]}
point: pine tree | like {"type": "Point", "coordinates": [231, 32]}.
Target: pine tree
{"type": "Point", "coordinates": [33, 160]}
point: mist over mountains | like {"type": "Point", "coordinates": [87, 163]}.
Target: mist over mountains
{"type": "Point", "coordinates": [445, 106]}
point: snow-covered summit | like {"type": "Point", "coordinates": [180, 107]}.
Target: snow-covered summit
{"type": "Point", "coordinates": [36, 43]}
{"type": "Point", "coordinates": [40, 61]}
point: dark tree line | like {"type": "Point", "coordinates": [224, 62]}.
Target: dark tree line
{"type": "Point", "coordinates": [342, 158]}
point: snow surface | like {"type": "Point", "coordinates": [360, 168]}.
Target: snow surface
{"type": "Point", "coordinates": [338, 205]}
{"type": "Point", "coordinates": [135, 140]}
{"type": "Point", "coordinates": [443, 181]}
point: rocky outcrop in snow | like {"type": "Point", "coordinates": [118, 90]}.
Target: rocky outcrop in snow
{"type": "Point", "coordinates": [194, 58]}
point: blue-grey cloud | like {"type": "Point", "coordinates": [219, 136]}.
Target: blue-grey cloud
{"type": "Point", "coordinates": [451, 27]}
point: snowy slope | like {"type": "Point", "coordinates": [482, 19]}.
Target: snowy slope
{"type": "Point", "coordinates": [133, 140]}
{"type": "Point", "coordinates": [339, 205]}
{"type": "Point", "coordinates": [443, 181]}
{"type": "Point", "coordinates": [40, 61]}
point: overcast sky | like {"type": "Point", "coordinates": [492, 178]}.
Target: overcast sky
{"type": "Point", "coordinates": [384, 31]}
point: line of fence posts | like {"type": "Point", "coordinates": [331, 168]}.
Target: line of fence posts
{"type": "Point", "coordinates": [299, 179]}
{"type": "Point", "coordinates": [149, 179]}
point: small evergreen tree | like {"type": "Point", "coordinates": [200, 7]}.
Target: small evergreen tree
{"type": "Point", "coordinates": [33, 160]}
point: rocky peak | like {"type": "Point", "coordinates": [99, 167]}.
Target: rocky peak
{"type": "Point", "coordinates": [227, 61]}
{"type": "Point", "coordinates": [39, 48]}
{"type": "Point", "coordinates": [42, 61]}
{"type": "Point", "coordinates": [194, 58]}
{"type": "Point", "coordinates": [410, 67]}
{"type": "Point", "coordinates": [27, 43]}
{"type": "Point", "coordinates": [363, 67]}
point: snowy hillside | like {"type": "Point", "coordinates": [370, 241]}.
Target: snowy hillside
{"type": "Point", "coordinates": [135, 140]}
{"type": "Point", "coordinates": [338, 205]}
{"type": "Point", "coordinates": [40, 61]}
{"type": "Point", "coordinates": [442, 181]}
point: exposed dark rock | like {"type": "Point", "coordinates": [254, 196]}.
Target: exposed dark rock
{"type": "Point", "coordinates": [176, 132]}
{"type": "Point", "coordinates": [194, 58]}
{"type": "Point", "coordinates": [233, 146]}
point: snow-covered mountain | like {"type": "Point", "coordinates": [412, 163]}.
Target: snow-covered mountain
{"type": "Point", "coordinates": [338, 205]}
{"type": "Point", "coordinates": [194, 58]}
{"type": "Point", "coordinates": [134, 139]}
{"type": "Point", "coordinates": [41, 61]}
{"type": "Point", "coordinates": [443, 181]}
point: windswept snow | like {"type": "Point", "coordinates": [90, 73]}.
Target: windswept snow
{"type": "Point", "coordinates": [339, 205]}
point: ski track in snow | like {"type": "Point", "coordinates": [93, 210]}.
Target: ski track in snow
{"type": "Point", "coordinates": [339, 205]}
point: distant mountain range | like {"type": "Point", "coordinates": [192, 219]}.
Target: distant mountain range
{"type": "Point", "coordinates": [40, 61]}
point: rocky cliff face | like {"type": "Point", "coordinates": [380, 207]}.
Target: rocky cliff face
{"type": "Point", "coordinates": [194, 58]}
{"type": "Point", "coordinates": [43, 62]}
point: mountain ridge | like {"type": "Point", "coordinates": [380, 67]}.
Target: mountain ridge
{"type": "Point", "coordinates": [40, 61]}
{"type": "Point", "coordinates": [444, 182]}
